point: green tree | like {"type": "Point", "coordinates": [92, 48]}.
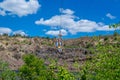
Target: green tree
{"type": "Point", "coordinates": [33, 69]}
{"type": "Point", "coordinates": [105, 65]}
{"type": "Point", "coordinates": [64, 74]}
{"type": "Point", "coordinates": [115, 26]}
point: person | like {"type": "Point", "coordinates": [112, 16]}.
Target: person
{"type": "Point", "coordinates": [60, 49]}
{"type": "Point", "coordinates": [60, 42]}
{"type": "Point", "coordinates": [56, 43]}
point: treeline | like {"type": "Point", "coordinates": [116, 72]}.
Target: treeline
{"type": "Point", "coordinates": [26, 36]}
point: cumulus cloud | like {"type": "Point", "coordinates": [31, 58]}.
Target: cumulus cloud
{"type": "Point", "coordinates": [56, 32]}
{"type": "Point", "coordinates": [19, 32]}
{"type": "Point", "coordinates": [2, 13]}
{"type": "Point", "coordinates": [110, 16]}
{"type": "Point", "coordinates": [103, 27]}
{"type": "Point", "coordinates": [66, 11]}
{"type": "Point", "coordinates": [4, 30]}
{"type": "Point", "coordinates": [19, 7]}
{"type": "Point", "coordinates": [68, 21]}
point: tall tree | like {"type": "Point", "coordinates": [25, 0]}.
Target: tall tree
{"type": "Point", "coordinates": [115, 26]}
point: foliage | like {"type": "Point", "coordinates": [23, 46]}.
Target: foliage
{"type": "Point", "coordinates": [64, 74]}
{"type": "Point", "coordinates": [6, 73]}
{"type": "Point", "coordinates": [106, 38]}
{"type": "Point", "coordinates": [116, 25]}
{"type": "Point", "coordinates": [19, 35]}
{"type": "Point", "coordinates": [35, 69]}
{"type": "Point", "coordinates": [105, 65]}
{"type": "Point", "coordinates": [115, 34]}
{"type": "Point", "coordinates": [5, 34]}
{"type": "Point", "coordinates": [17, 56]}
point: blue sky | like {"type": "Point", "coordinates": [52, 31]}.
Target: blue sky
{"type": "Point", "coordinates": [75, 18]}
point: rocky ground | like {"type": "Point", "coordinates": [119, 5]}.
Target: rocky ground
{"type": "Point", "coordinates": [74, 50]}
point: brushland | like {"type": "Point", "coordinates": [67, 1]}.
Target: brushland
{"type": "Point", "coordinates": [85, 58]}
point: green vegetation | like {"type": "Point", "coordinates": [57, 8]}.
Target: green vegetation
{"type": "Point", "coordinates": [116, 25]}
{"type": "Point", "coordinates": [104, 65]}
{"type": "Point", "coordinates": [35, 69]}
{"type": "Point", "coordinates": [6, 73]}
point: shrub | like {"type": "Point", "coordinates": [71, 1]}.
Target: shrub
{"type": "Point", "coordinates": [35, 69]}
{"type": "Point", "coordinates": [6, 73]}
{"type": "Point", "coordinates": [105, 64]}
{"type": "Point", "coordinates": [17, 56]}
{"type": "Point", "coordinates": [106, 38]}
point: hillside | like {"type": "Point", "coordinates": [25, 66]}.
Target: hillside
{"type": "Point", "coordinates": [74, 50]}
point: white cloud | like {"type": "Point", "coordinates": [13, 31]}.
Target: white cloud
{"type": "Point", "coordinates": [56, 32]}
{"type": "Point", "coordinates": [19, 7]}
{"type": "Point", "coordinates": [68, 21]}
{"type": "Point", "coordinates": [105, 28]}
{"type": "Point", "coordinates": [4, 30]}
{"type": "Point", "coordinates": [66, 11]}
{"type": "Point", "coordinates": [110, 16]}
{"type": "Point", "coordinates": [2, 13]}
{"type": "Point", "coordinates": [19, 32]}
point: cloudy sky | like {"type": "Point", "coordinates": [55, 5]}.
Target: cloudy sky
{"type": "Point", "coordinates": [74, 18]}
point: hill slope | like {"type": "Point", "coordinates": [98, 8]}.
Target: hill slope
{"type": "Point", "coordinates": [74, 50]}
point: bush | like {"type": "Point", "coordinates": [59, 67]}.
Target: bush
{"type": "Point", "coordinates": [115, 33]}
{"type": "Point", "coordinates": [35, 69]}
{"type": "Point", "coordinates": [106, 38]}
{"type": "Point", "coordinates": [17, 56]}
{"type": "Point", "coordinates": [6, 73]}
{"type": "Point", "coordinates": [105, 65]}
